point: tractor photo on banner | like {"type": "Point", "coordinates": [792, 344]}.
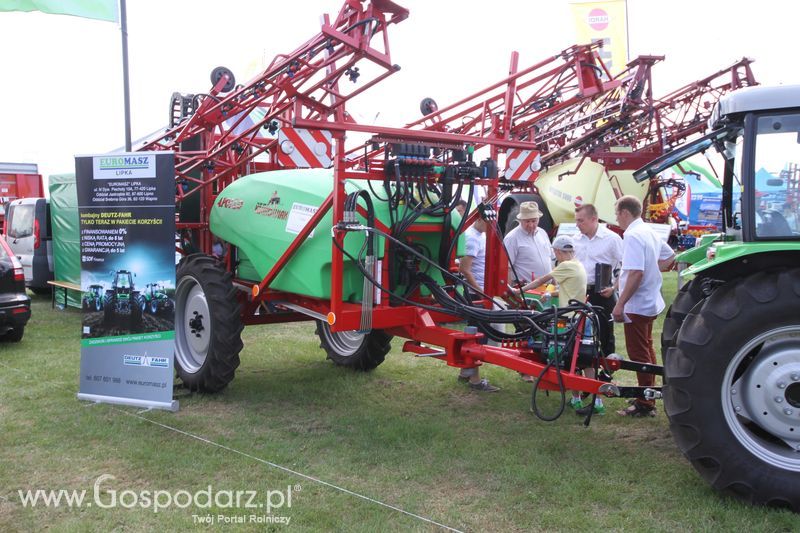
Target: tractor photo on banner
{"type": "Point", "coordinates": [127, 242]}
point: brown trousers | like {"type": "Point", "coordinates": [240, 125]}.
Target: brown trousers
{"type": "Point", "coordinates": [639, 343]}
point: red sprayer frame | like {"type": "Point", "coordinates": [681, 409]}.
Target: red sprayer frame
{"type": "Point", "coordinates": [219, 137]}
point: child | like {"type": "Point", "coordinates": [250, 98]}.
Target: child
{"type": "Point", "coordinates": [571, 278]}
{"type": "Point", "coordinates": [568, 273]}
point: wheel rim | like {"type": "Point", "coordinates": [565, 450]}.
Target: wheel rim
{"type": "Point", "coordinates": [153, 306]}
{"type": "Point", "coordinates": [192, 325]}
{"type": "Point", "coordinates": [761, 397]}
{"type": "Point", "coordinates": [346, 343]}
{"type": "Point", "coordinates": [98, 304]}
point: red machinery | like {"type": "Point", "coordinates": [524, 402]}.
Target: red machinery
{"type": "Point", "coordinates": [570, 109]}
{"type": "Point", "coordinates": [219, 137]}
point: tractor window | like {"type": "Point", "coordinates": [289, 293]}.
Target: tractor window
{"type": "Point", "coordinates": [733, 150]}
{"type": "Point", "coordinates": [777, 176]}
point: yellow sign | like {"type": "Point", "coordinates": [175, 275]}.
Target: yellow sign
{"type": "Point", "coordinates": [606, 22]}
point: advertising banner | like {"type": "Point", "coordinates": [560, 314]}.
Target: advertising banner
{"type": "Point", "coordinates": [606, 22]}
{"type": "Point", "coordinates": [126, 209]}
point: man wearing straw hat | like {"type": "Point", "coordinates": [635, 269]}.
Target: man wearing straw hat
{"type": "Point", "coordinates": [528, 246]}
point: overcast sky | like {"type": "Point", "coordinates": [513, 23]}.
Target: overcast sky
{"type": "Point", "coordinates": [62, 91]}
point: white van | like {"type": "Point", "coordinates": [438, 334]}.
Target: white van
{"type": "Point", "coordinates": [29, 234]}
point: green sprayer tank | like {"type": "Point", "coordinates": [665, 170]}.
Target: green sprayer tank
{"type": "Point", "coordinates": [261, 214]}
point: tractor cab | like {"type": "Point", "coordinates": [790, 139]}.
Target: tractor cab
{"type": "Point", "coordinates": [153, 290]}
{"type": "Point", "coordinates": [757, 133]}
{"type": "Point", "coordinates": [123, 281]}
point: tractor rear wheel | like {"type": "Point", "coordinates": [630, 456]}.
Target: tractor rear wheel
{"type": "Point", "coordinates": [687, 298]}
{"type": "Point", "coordinates": [208, 329]}
{"type": "Point", "coordinates": [360, 351]}
{"type": "Point", "coordinates": [137, 306]}
{"type": "Point", "coordinates": [732, 388]}
{"type": "Point", "coordinates": [108, 308]}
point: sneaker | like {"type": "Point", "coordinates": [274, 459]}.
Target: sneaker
{"type": "Point", "coordinates": [638, 410]}
{"type": "Point", "coordinates": [599, 409]}
{"type": "Point", "coordinates": [483, 386]}
{"type": "Point", "coordinates": [576, 403]}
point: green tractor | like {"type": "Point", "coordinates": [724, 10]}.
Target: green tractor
{"type": "Point", "coordinates": [93, 298]}
{"type": "Point", "coordinates": [155, 299]}
{"type": "Point", "coordinates": [731, 339]}
{"type": "Point", "coordinates": [122, 302]}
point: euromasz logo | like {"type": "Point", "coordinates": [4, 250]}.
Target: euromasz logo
{"type": "Point", "coordinates": [127, 162]}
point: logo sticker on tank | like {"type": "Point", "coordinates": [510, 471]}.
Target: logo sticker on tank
{"type": "Point", "coordinates": [267, 210]}
{"type": "Point", "coordinates": [230, 203]}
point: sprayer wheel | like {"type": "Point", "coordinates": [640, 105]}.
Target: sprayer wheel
{"type": "Point", "coordinates": [360, 351]}
{"type": "Point", "coordinates": [208, 329]}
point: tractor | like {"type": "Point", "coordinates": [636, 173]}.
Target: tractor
{"type": "Point", "coordinates": [731, 339]}
{"type": "Point", "coordinates": [93, 298]}
{"type": "Point", "coordinates": [155, 299]}
{"type": "Point", "coordinates": [122, 301]}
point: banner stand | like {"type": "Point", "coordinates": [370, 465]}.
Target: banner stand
{"type": "Point", "coordinates": [126, 215]}
{"type": "Point", "coordinates": [97, 398]}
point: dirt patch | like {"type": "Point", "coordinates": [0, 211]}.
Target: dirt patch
{"type": "Point", "coordinates": [121, 325]}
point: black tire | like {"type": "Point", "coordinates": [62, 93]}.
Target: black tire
{"type": "Point", "coordinates": [208, 328]}
{"type": "Point", "coordinates": [136, 312]}
{"type": "Point", "coordinates": [689, 296]}
{"type": "Point", "coordinates": [15, 334]}
{"type": "Point", "coordinates": [98, 303]}
{"type": "Point", "coordinates": [737, 435]}
{"type": "Point", "coordinates": [354, 350]}
{"type": "Point", "coordinates": [510, 221]}
{"type": "Point", "coordinates": [153, 306]}
{"type": "Point", "coordinates": [217, 74]}
{"type": "Point", "coordinates": [85, 304]}
{"type": "Point", "coordinates": [108, 309]}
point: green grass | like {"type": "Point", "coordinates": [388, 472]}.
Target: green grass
{"type": "Point", "coordinates": [406, 434]}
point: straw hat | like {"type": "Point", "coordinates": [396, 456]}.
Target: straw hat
{"type": "Point", "coordinates": [528, 211]}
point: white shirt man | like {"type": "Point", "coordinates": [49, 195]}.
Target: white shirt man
{"type": "Point", "coordinates": [604, 247]}
{"type": "Point", "coordinates": [595, 245]}
{"type": "Point", "coordinates": [528, 246]}
{"type": "Point", "coordinates": [473, 263]}
{"type": "Point", "coordinates": [644, 255]}
{"type": "Point", "coordinates": [473, 266]}
{"type": "Point", "coordinates": [643, 249]}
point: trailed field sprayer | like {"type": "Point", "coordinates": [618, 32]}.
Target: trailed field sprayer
{"type": "Point", "coordinates": [363, 246]}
